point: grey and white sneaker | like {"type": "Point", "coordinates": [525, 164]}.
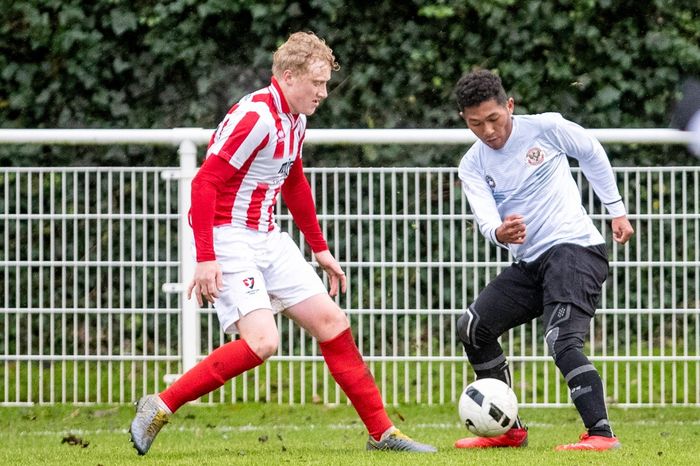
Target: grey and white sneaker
{"type": "Point", "coordinates": [151, 415]}
{"type": "Point", "coordinates": [394, 440]}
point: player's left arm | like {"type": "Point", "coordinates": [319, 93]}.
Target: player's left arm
{"type": "Point", "coordinates": [594, 163]}
{"type": "Point", "coordinates": [296, 193]}
{"type": "Point", "coordinates": [336, 275]}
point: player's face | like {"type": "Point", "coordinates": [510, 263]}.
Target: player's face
{"type": "Point", "coordinates": [490, 121]}
{"type": "Point", "coordinates": [305, 91]}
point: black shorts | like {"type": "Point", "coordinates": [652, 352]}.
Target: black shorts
{"type": "Point", "coordinates": [566, 273]}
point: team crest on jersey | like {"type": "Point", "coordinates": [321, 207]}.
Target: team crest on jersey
{"type": "Point", "coordinates": [491, 182]}
{"type": "Point", "coordinates": [534, 156]}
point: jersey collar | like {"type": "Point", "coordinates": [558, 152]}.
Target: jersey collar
{"type": "Point", "coordinates": [278, 97]}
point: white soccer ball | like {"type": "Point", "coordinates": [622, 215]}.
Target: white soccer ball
{"type": "Point", "coordinates": [488, 407]}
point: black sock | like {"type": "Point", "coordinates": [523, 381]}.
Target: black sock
{"type": "Point", "coordinates": [497, 368]}
{"type": "Point", "coordinates": [586, 389]}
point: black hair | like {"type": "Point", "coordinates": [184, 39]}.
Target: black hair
{"type": "Point", "coordinates": [477, 87]}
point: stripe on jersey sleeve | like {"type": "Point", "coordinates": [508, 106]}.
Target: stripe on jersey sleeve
{"type": "Point", "coordinates": [241, 137]}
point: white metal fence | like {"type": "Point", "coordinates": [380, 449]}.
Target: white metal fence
{"type": "Point", "coordinates": [87, 254]}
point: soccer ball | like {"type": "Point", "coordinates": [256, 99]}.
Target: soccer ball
{"type": "Point", "coordinates": [488, 407]}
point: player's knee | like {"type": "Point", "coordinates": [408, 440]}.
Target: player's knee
{"type": "Point", "coordinates": [471, 333]}
{"type": "Point", "coordinates": [330, 322]}
{"type": "Point", "coordinates": [464, 327]}
{"type": "Point", "coordinates": [265, 344]}
{"type": "Point", "coordinates": [559, 347]}
{"type": "Point", "coordinates": [338, 321]}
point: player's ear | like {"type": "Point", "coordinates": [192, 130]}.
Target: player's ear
{"type": "Point", "coordinates": [461, 116]}
{"type": "Point", "coordinates": [287, 76]}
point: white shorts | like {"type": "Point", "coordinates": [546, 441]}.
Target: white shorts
{"type": "Point", "coordinates": [260, 271]}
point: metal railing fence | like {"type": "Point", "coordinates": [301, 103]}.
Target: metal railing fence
{"type": "Point", "coordinates": [91, 311]}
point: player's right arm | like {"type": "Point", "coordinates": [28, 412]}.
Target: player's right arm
{"type": "Point", "coordinates": [512, 231]}
{"type": "Point", "coordinates": [480, 199]}
{"type": "Point", "coordinates": [208, 279]}
{"type": "Point", "coordinates": [240, 136]}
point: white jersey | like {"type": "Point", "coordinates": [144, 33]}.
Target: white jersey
{"type": "Point", "coordinates": [530, 176]}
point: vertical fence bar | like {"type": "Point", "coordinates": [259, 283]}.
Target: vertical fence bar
{"type": "Point", "coordinates": [6, 288]}
{"type": "Point", "coordinates": [662, 298]}
{"type": "Point", "coordinates": [441, 286]}
{"type": "Point", "coordinates": [696, 282]}
{"type": "Point", "coordinates": [168, 275]}
{"type": "Point", "coordinates": [155, 254]}
{"type": "Point", "coordinates": [429, 282]}
{"type": "Point", "coordinates": [394, 291]}
{"type": "Point", "coordinates": [98, 286]}
{"type": "Point", "coordinates": [189, 326]}
{"type": "Point", "coordinates": [419, 272]}
{"type": "Point", "coordinates": [639, 280]}
{"type": "Point", "coordinates": [40, 287]}
{"type": "Point", "coordinates": [18, 280]}
{"type": "Point", "coordinates": [683, 290]}
{"type": "Point", "coordinates": [86, 287]}
{"type": "Point", "coordinates": [405, 207]}
{"type": "Point", "coordinates": [382, 280]}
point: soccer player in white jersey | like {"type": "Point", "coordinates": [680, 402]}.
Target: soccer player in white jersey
{"type": "Point", "coordinates": [245, 263]}
{"type": "Point", "coordinates": [520, 188]}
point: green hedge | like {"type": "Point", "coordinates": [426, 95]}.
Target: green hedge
{"type": "Point", "coordinates": [162, 64]}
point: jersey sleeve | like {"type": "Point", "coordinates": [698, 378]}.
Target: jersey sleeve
{"type": "Point", "coordinates": [576, 142]}
{"type": "Point", "coordinates": [240, 135]}
{"type": "Point", "coordinates": [296, 193]}
{"type": "Point", "coordinates": [214, 173]}
{"type": "Point", "coordinates": [480, 199]}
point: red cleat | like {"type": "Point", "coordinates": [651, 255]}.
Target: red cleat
{"type": "Point", "coordinates": [592, 443]}
{"type": "Point", "coordinates": [515, 437]}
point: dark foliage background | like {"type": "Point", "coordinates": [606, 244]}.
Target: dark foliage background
{"type": "Point", "coordinates": [163, 64]}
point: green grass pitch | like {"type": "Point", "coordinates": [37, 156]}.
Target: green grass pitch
{"type": "Point", "coordinates": [270, 434]}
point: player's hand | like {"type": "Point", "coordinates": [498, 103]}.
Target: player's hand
{"type": "Point", "coordinates": [621, 229]}
{"type": "Point", "coordinates": [512, 230]}
{"type": "Point", "coordinates": [326, 260]}
{"type": "Point", "coordinates": [208, 281]}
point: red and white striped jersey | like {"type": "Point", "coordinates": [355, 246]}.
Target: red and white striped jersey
{"type": "Point", "coordinates": [261, 139]}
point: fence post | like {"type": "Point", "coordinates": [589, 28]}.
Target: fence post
{"type": "Point", "coordinates": [190, 317]}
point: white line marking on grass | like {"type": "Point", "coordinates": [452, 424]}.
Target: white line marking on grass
{"type": "Point", "coordinates": [298, 427]}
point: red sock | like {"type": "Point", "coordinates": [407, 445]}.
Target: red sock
{"type": "Point", "coordinates": [354, 378]}
{"type": "Point", "coordinates": [223, 364]}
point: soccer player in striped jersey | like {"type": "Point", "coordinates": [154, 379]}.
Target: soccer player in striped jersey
{"type": "Point", "coordinates": [519, 186]}
{"type": "Point", "coordinates": [249, 269]}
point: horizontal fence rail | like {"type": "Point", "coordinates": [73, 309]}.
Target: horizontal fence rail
{"type": "Point", "coordinates": [93, 260]}
{"type": "Point", "coordinates": [201, 136]}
